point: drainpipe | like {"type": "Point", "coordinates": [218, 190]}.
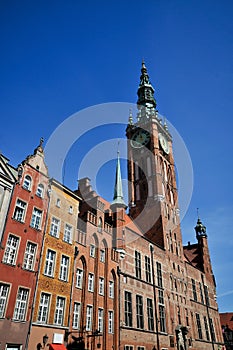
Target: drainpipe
{"type": "Point", "coordinates": [155, 299]}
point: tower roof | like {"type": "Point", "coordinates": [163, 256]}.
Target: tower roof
{"type": "Point", "coordinates": [145, 89]}
{"type": "Point", "coordinates": [118, 198]}
{"type": "Point", "coordinates": [200, 229]}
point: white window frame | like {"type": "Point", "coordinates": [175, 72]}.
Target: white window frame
{"type": "Point", "coordinates": [21, 304]}
{"type": "Point", "coordinates": [100, 319]}
{"type": "Point", "coordinates": [4, 292]}
{"type": "Point", "coordinates": [36, 218]}
{"type": "Point", "coordinates": [55, 227]}
{"type": "Point", "coordinates": [110, 322]}
{"type": "Point", "coordinates": [90, 282]}
{"type": "Point", "coordinates": [11, 249]}
{"type": "Point", "coordinates": [102, 255]}
{"type": "Point", "coordinates": [68, 233]}
{"type": "Point", "coordinates": [111, 289]}
{"type": "Point", "coordinates": [50, 263]}
{"type": "Point", "coordinates": [59, 311]}
{"type": "Point", "coordinates": [89, 312]}
{"type": "Point", "coordinates": [79, 278]}
{"type": "Point", "coordinates": [20, 210]}
{"type": "Point", "coordinates": [92, 250]}
{"type": "Point", "coordinates": [76, 315]}
{"type": "Point", "coordinates": [29, 256]}
{"type": "Point", "coordinates": [64, 268]}
{"type": "Point", "coordinates": [101, 286]}
{"type": "Point", "coordinates": [27, 182]}
{"type": "Point", "coordinates": [40, 190]}
{"type": "Point", "coordinates": [43, 309]}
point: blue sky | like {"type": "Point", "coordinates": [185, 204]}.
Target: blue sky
{"type": "Point", "coordinates": [58, 57]}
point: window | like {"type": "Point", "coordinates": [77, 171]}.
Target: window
{"type": "Point", "coordinates": [36, 218]}
{"type": "Point", "coordinates": [55, 227]}
{"type": "Point", "coordinates": [43, 308]}
{"type": "Point", "coordinates": [68, 233]}
{"type": "Point", "coordinates": [159, 274]}
{"type": "Point", "coordinates": [27, 182]}
{"type": "Point", "coordinates": [162, 318]}
{"type": "Point", "coordinates": [201, 293]}
{"type": "Point", "coordinates": [99, 229]}
{"type": "Point", "coordinates": [110, 322]}
{"type": "Point", "coordinates": [59, 311]}
{"type": "Point", "coordinates": [206, 328]}
{"type": "Point", "coordinates": [4, 290]}
{"type": "Point", "coordinates": [90, 282]}
{"type": "Point", "coordinates": [138, 264]}
{"type": "Point", "coordinates": [128, 347]}
{"type": "Point", "coordinates": [79, 278]}
{"type": "Point", "coordinates": [207, 300]}
{"type": "Point", "coordinates": [49, 263]}
{"type": "Point", "coordinates": [100, 320]}
{"type": "Point", "coordinates": [139, 312]}
{"type": "Point", "coordinates": [29, 256]}
{"type": "Point", "coordinates": [40, 191]}
{"type": "Point", "coordinates": [101, 286]}
{"type": "Point", "coordinates": [20, 210]}
{"type": "Point", "coordinates": [194, 291]}
{"type": "Point", "coordinates": [64, 268]}
{"type": "Point", "coordinates": [212, 332]}
{"type": "Point", "coordinates": [128, 309]}
{"type": "Point", "coordinates": [58, 203]}
{"type": "Point", "coordinates": [140, 348]}
{"type": "Point", "coordinates": [148, 269]}
{"type": "Point", "coordinates": [150, 314]}
{"type": "Point", "coordinates": [92, 250]}
{"type": "Point", "coordinates": [111, 289]}
{"type": "Point", "coordinates": [199, 330]}
{"type": "Point", "coordinates": [70, 209]}
{"type": "Point", "coordinates": [11, 250]}
{"type": "Point", "coordinates": [89, 318]}
{"type": "Point", "coordinates": [102, 255]}
{"type": "Point", "coordinates": [21, 304]}
{"type": "Point", "coordinates": [76, 315]}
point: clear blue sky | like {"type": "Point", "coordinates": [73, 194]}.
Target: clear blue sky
{"type": "Point", "coordinates": [58, 57]}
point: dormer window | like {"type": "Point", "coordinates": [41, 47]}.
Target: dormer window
{"type": "Point", "coordinates": [27, 183]}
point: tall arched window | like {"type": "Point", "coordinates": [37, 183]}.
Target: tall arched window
{"type": "Point", "coordinates": [27, 182]}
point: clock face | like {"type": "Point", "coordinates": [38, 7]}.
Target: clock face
{"type": "Point", "coordinates": [140, 138]}
{"type": "Point", "coordinates": [164, 143]}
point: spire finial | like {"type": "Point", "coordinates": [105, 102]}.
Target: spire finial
{"type": "Point", "coordinates": [200, 228]}
{"type": "Point", "coordinates": [145, 91]}
{"type": "Point", "coordinates": [118, 198]}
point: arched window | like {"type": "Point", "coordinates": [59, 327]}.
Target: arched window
{"type": "Point", "coordinates": [100, 224]}
{"type": "Point", "coordinates": [27, 182]}
{"type": "Point", "coordinates": [40, 191]}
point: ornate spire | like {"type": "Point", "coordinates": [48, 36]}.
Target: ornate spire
{"type": "Point", "coordinates": [118, 198]}
{"type": "Point", "coordinates": [145, 90]}
{"type": "Point", "coordinates": [40, 146]}
{"type": "Point", "coordinates": [200, 229]}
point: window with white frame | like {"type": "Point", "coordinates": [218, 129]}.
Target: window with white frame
{"type": "Point", "coordinates": [49, 263]}
{"type": "Point", "coordinates": [64, 268]}
{"type": "Point", "coordinates": [11, 249]}
{"type": "Point", "coordinates": [21, 304]}
{"type": "Point", "coordinates": [71, 209]}
{"type": "Point", "coordinates": [58, 203]}
{"type": "Point", "coordinates": [27, 183]}
{"type": "Point", "coordinates": [59, 311]}
{"type": "Point", "coordinates": [110, 322]}
{"type": "Point", "coordinates": [90, 282]}
{"type": "Point", "coordinates": [43, 308]}
{"type": "Point", "coordinates": [76, 315]}
{"type": "Point", "coordinates": [111, 289]}
{"type": "Point", "coordinates": [140, 348]}
{"type": "Point", "coordinates": [100, 320]}
{"type": "Point", "coordinates": [29, 256]}
{"type": "Point", "coordinates": [128, 347]}
{"type": "Point", "coordinates": [92, 250]}
{"type": "Point", "coordinates": [101, 286]}
{"type": "Point", "coordinates": [20, 209]}
{"type": "Point", "coordinates": [4, 291]}
{"type": "Point", "coordinates": [102, 255]}
{"type": "Point", "coordinates": [68, 233]}
{"type": "Point", "coordinates": [79, 278]}
{"type": "Point", "coordinates": [40, 191]}
{"type": "Point", "coordinates": [36, 218]}
{"type": "Point", "coordinates": [55, 227]}
{"type": "Point", "coordinates": [89, 317]}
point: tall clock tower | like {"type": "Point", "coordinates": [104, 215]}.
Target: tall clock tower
{"type": "Point", "coordinates": [151, 171]}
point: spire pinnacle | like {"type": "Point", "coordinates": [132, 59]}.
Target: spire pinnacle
{"type": "Point", "coordinates": [118, 198]}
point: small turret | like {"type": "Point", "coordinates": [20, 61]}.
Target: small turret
{"type": "Point", "coordinates": [200, 229]}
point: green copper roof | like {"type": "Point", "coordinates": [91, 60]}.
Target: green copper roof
{"type": "Point", "coordinates": [145, 89]}
{"type": "Point", "coordinates": [118, 198]}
